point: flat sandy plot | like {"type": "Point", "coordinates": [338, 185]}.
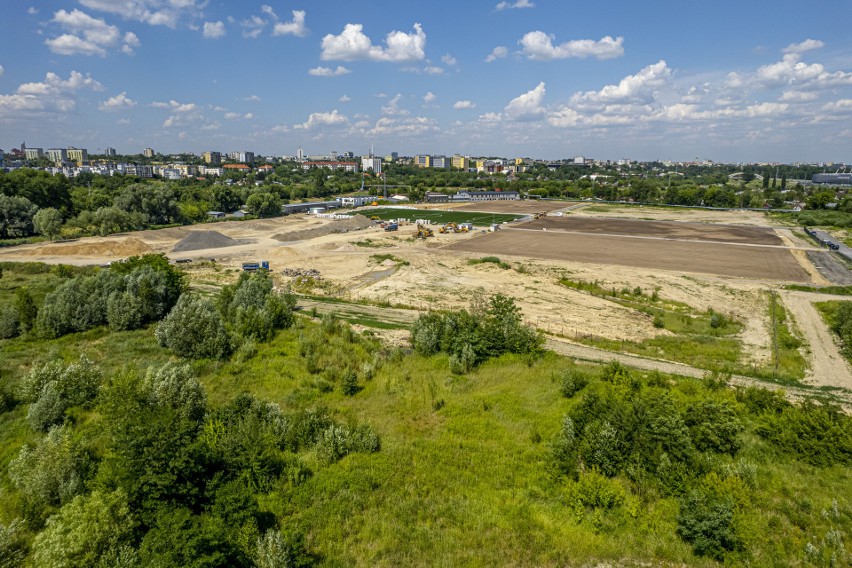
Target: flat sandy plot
{"type": "Point", "coordinates": [521, 207]}
{"type": "Point", "coordinates": [680, 256]}
{"type": "Point", "coordinates": [659, 229]}
{"type": "Point", "coordinates": [739, 217]}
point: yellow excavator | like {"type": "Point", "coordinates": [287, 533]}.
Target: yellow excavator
{"type": "Point", "coordinates": [424, 232]}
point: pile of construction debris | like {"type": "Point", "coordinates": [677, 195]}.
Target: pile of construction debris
{"type": "Point", "coordinates": [311, 272]}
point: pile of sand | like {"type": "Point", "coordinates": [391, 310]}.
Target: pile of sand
{"type": "Point", "coordinates": [200, 240]}
{"type": "Point", "coordinates": [126, 247]}
{"type": "Point", "coordinates": [354, 223]}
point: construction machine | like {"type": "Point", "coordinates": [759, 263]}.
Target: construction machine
{"type": "Point", "coordinates": [424, 232]}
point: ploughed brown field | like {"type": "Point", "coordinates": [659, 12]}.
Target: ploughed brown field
{"type": "Point", "coordinates": [519, 207]}
{"type": "Point", "coordinates": [726, 250]}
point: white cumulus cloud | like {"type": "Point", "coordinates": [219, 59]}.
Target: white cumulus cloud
{"type": "Point", "coordinates": [116, 103]}
{"type": "Point", "coordinates": [319, 119]}
{"type": "Point", "coordinates": [498, 52]}
{"type": "Point", "coordinates": [328, 71]}
{"type": "Point", "coordinates": [464, 105]}
{"type": "Point", "coordinates": [527, 106]}
{"type": "Point", "coordinates": [345, 99]}
{"type": "Point", "coordinates": [807, 45]}
{"type": "Point", "coordinates": [514, 5]}
{"type": "Point", "coordinates": [154, 12]}
{"type": "Point", "coordinates": [87, 35]}
{"type": "Point", "coordinates": [53, 96]}
{"type": "Point", "coordinates": [429, 97]}
{"type": "Point", "coordinates": [538, 46]}
{"type": "Point", "coordinates": [638, 87]}
{"type": "Point", "coordinates": [214, 30]}
{"type": "Point", "coordinates": [295, 27]}
{"type": "Point", "coordinates": [352, 45]}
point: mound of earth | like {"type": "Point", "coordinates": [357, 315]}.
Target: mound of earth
{"type": "Point", "coordinates": [354, 223]}
{"type": "Point", "coordinates": [126, 247]}
{"type": "Point", "coordinates": [200, 240]}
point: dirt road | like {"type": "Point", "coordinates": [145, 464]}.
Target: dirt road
{"type": "Point", "coordinates": [828, 367]}
{"type": "Point", "coordinates": [574, 350]}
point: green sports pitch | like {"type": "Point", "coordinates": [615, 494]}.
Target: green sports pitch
{"type": "Point", "coordinates": [440, 217]}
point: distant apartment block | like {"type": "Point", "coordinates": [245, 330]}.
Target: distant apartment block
{"type": "Point", "coordinates": [57, 155]}
{"type": "Point", "coordinates": [109, 152]}
{"type": "Point", "coordinates": [423, 161]}
{"type": "Point", "coordinates": [79, 156]}
{"type": "Point", "coordinates": [371, 165]}
{"type": "Point", "coordinates": [212, 157]}
{"type": "Point", "coordinates": [242, 157]}
{"type": "Point", "coordinates": [346, 166]}
{"type": "Point", "coordinates": [148, 152]}
{"type": "Point", "coordinates": [460, 162]}
{"type": "Point", "coordinates": [440, 162]}
{"type": "Point", "coordinates": [33, 153]}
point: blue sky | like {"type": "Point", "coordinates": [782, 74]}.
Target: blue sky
{"type": "Point", "coordinates": [726, 81]}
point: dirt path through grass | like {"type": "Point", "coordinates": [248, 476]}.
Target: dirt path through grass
{"type": "Point", "coordinates": [828, 366]}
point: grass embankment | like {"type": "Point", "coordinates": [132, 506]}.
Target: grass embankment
{"type": "Point", "coordinates": [441, 217]}
{"type": "Point", "coordinates": [833, 312]}
{"type": "Point", "coordinates": [464, 475]}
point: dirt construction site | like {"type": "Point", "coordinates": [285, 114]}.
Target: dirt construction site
{"type": "Point", "coordinates": [727, 261]}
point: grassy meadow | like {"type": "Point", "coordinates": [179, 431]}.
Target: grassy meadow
{"type": "Point", "coordinates": [465, 475]}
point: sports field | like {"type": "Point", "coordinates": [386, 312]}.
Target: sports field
{"type": "Point", "coordinates": [440, 217]}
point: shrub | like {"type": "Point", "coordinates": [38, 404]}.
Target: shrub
{"type": "Point", "coordinates": [84, 530]}
{"type": "Point", "coordinates": [10, 324]}
{"type": "Point", "coordinates": [338, 441]}
{"type": "Point", "coordinates": [601, 448]}
{"type": "Point", "coordinates": [12, 544]}
{"type": "Point", "coordinates": [124, 311]}
{"type": "Point", "coordinates": [51, 472]}
{"type": "Point", "coordinates": [279, 550]}
{"type": "Point", "coordinates": [52, 389]}
{"type": "Point", "coordinates": [194, 328]}
{"type": "Point", "coordinates": [707, 522]}
{"type": "Point", "coordinates": [27, 309]}
{"type": "Point", "coordinates": [819, 434]}
{"type": "Point", "coordinates": [597, 492]}
{"type": "Point", "coordinates": [573, 381]}
{"type": "Point", "coordinates": [175, 386]}
{"type": "Point", "coordinates": [349, 385]}
{"type": "Point", "coordinates": [714, 427]}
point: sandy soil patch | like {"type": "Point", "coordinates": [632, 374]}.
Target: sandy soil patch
{"type": "Point", "coordinates": [673, 214]}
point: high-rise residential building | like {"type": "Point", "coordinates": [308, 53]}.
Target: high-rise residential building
{"type": "Point", "coordinates": [242, 157]}
{"type": "Point", "coordinates": [460, 162]}
{"type": "Point", "coordinates": [78, 155]}
{"type": "Point", "coordinates": [110, 152]}
{"type": "Point", "coordinates": [212, 157]}
{"type": "Point", "coordinates": [371, 164]}
{"type": "Point", "coordinates": [441, 162]}
{"type": "Point", "coordinates": [57, 155]}
{"type": "Point", "coordinates": [148, 152]}
{"type": "Point", "coordinates": [300, 155]}
{"type": "Point", "coordinates": [423, 161]}
{"type": "Point", "coordinates": [33, 153]}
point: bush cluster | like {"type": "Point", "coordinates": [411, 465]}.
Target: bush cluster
{"type": "Point", "coordinates": [247, 311]}
{"type": "Point", "coordinates": [134, 293]}
{"type": "Point", "coordinates": [52, 388]}
{"type": "Point", "coordinates": [471, 337]}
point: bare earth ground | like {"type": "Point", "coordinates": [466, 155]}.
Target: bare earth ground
{"type": "Point", "coordinates": [666, 253]}
{"type": "Point", "coordinates": [699, 272]}
{"type": "Point", "coordinates": [674, 214]}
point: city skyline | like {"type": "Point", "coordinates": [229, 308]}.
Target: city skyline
{"type": "Point", "coordinates": [729, 83]}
